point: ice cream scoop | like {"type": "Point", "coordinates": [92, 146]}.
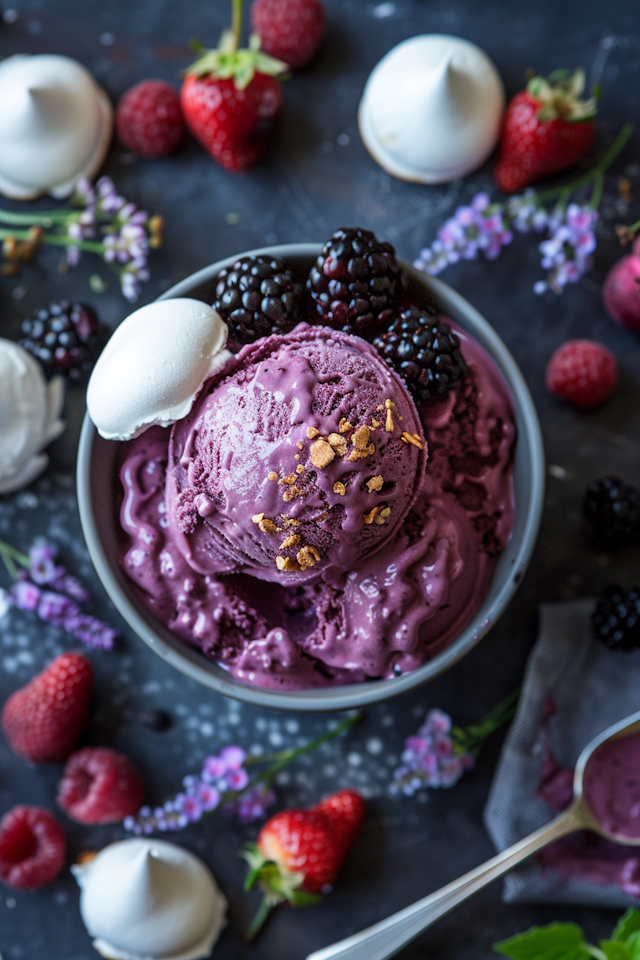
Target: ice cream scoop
{"type": "Point", "coordinates": [145, 899]}
{"type": "Point", "coordinates": [302, 459]}
{"type": "Point", "coordinates": [29, 416]}
{"type": "Point", "coordinates": [154, 365]}
{"type": "Point", "coordinates": [431, 109]}
{"type": "Point", "coordinates": [55, 125]}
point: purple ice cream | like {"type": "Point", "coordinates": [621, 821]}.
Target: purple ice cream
{"type": "Point", "coordinates": [305, 525]}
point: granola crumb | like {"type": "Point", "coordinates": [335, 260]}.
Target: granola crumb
{"type": "Point", "coordinates": [299, 468]}
{"type": "Point", "coordinates": [312, 432]}
{"type": "Point", "coordinates": [379, 520]}
{"type": "Point", "coordinates": [268, 526]}
{"type": "Point", "coordinates": [344, 425]}
{"type": "Point", "coordinates": [287, 564]}
{"type": "Point", "coordinates": [370, 517]}
{"type": "Point", "coordinates": [380, 406]}
{"type": "Point", "coordinates": [361, 437]}
{"type": "Point", "coordinates": [385, 511]}
{"type": "Point", "coordinates": [272, 475]}
{"type": "Point", "coordinates": [300, 445]}
{"type": "Point", "coordinates": [338, 443]}
{"type": "Point", "coordinates": [289, 479]}
{"type": "Point", "coordinates": [339, 488]}
{"type": "Point", "coordinates": [322, 453]}
{"type": "Point", "coordinates": [412, 438]}
{"type": "Point", "coordinates": [290, 541]}
{"type": "Point", "coordinates": [296, 456]}
{"type": "Point", "coordinates": [307, 557]}
{"type": "Point", "coordinates": [361, 454]}
{"type": "Point", "coordinates": [375, 483]}
{"type": "Point", "coordinates": [257, 517]}
{"type": "Point", "coordinates": [375, 423]}
{"type": "Point", "coordinates": [291, 493]}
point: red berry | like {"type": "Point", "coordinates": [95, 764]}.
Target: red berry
{"type": "Point", "coordinates": [99, 786]}
{"type": "Point", "coordinates": [44, 720]}
{"type": "Point", "coordinates": [149, 119]}
{"type": "Point", "coordinates": [583, 372]}
{"type": "Point", "coordinates": [32, 848]}
{"type": "Point", "coordinates": [233, 125]}
{"type": "Point", "coordinates": [291, 30]}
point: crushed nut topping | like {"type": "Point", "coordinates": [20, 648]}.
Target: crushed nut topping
{"type": "Point", "coordinates": [385, 511]}
{"type": "Point", "coordinates": [338, 443]}
{"type": "Point", "coordinates": [296, 456]}
{"type": "Point", "coordinates": [257, 517]}
{"type": "Point", "coordinates": [375, 483]}
{"type": "Point", "coordinates": [361, 438]}
{"type": "Point", "coordinates": [339, 488]}
{"type": "Point", "coordinates": [412, 438]}
{"type": "Point", "coordinates": [390, 407]}
{"type": "Point", "coordinates": [299, 468]}
{"type": "Point", "coordinates": [290, 541]}
{"type": "Point", "coordinates": [308, 557]}
{"type": "Point", "coordinates": [344, 425]}
{"type": "Point", "coordinates": [370, 517]}
{"type": "Point", "coordinates": [272, 475]}
{"type": "Point", "coordinates": [300, 445]}
{"type": "Point", "coordinates": [375, 423]}
{"type": "Point", "coordinates": [291, 493]}
{"type": "Point", "coordinates": [322, 454]}
{"type": "Point", "coordinates": [268, 526]}
{"type": "Point", "coordinates": [361, 454]}
{"type": "Point", "coordinates": [312, 432]}
{"type": "Point", "coordinates": [287, 563]}
{"type": "Point", "coordinates": [291, 478]}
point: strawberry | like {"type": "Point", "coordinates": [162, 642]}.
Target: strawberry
{"type": "Point", "coordinates": [299, 853]}
{"type": "Point", "coordinates": [547, 128]}
{"type": "Point", "coordinates": [44, 720]}
{"type": "Point", "coordinates": [231, 98]}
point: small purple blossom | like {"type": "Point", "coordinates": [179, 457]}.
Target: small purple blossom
{"type": "Point", "coordinates": [567, 252]}
{"type": "Point", "coordinates": [24, 595]}
{"type": "Point", "coordinates": [431, 758]}
{"type": "Point", "coordinates": [252, 805]}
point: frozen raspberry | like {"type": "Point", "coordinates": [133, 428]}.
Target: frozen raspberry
{"type": "Point", "coordinates": [149, 119]}
{"type": "Point", "coordinates": [32, 848]}
{"type": "Point", "coordinates": [44, 720]}
{"type": "Point", "coordinates": [291, 30]}
{"type": "Point", "coordinates": [583, 372]}
{"type": "Point", "coordinates": [99, 786]}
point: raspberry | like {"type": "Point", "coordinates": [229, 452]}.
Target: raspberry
{"type": "Point", "coordinates": [99, 786]}
{"type": "Point", "coordinates": [44, 720]}
{"type": "Point", "coordinates": [356, 282]}
{"type": "Point", "coordinates": [66, 338]}
{"type": "Point", "coordinates": [149, 119]}
{"type": "Point", "coordinates": [32, 848]}
{"type": "Point", "coordinates": [256, 297]}
{"type": "Point", "coordinates": [423, 349]}
{"type": "Point", "coordinates": [612, 507]}
{"type": "Point", "coordinates": [583, 372]}
{"type": "Point", "coordinates": [615, 620]}
{"type": "Point", "coordinates": [291, 30]}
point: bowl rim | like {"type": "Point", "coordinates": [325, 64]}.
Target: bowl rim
{"type": "Point", "coordinates": [195, 666]}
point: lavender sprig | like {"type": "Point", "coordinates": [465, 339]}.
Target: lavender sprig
{"type": "Point", "coordinates": [53, 593]}
{"type": "Point", "coordinates": [98, 221]}
{"type": "Point", "coordinates": [224, 782]}
{"type": "Point", "coordinates": [487, 227]}
{"type": "Point", "coordinates": [440, 753]}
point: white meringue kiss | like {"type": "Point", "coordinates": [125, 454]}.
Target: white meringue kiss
{"type": "Point", "coordinates": [55, 125]}
{"type": "Point", "coordinates": [144, 899]}
{"type": "Point", "coordinates": [29, 416]}
{"type": "Point", "coordinates": [152, 368]}
{"type": "Point", "coordinates": [432, 108]}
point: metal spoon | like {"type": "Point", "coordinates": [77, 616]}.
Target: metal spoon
{"type": "Point", "coordinates": [385, 939]}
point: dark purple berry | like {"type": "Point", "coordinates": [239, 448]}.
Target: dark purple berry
{"type": "Point", "coordinates": [616, 618]}
{"type": "Point", "coordinates": [356, 282]}
{"type": "Point", "coordinates": [423, 349]}
{"type": "Point", "coordinates": [67, 338]}
{"type": "Point", "coordinates": [612, 507]}
{"type": "Point", "coordinates": [256, 297]}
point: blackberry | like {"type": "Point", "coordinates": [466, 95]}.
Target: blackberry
{"type": "Point", "coordinates": [356, 282]}
{"type": "Point", "coordinates": [424, 350]}
{"type": "Point", "coordinates": [65, 337]}
{"type": "Point", "coordinates": [612, 507]}
{"type": "Point", "coordinates": [256, 297]}
{"type": "Point", "coordinates": [616, 618]}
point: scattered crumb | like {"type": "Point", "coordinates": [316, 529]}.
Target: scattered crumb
{"type": "Point", "coordinates": [339, 443]}
{"type": "Point", "coordinates": [375, 483]}
{"type": "Point", "coordinates": [299, 468]}
{"type": "Point", "coordinates": [272, 475]}
{"type": "Point", "coordinates": [385, 511]}
{"type": "Point", "coordinates": [322, 453]}
{"type": "Point", "coordinates": [291, 493]}
{"type": "Point", "coordinates": [286, 563]}
{"type": "Point", "coordinates": [361, 454]}
{"type": "Point", "coordinates": [308, 557]}
{"type": "Point", "coordinates": [300, 445]}
{"type": "Point", "coordinates": [375, 423]}
{"type": "Point", "coordinates": [312, 432]}
{"type": "Point", "coordinates": [339, 488]}
{"type": "Point", "coordinates": [257, 517]}
{"type": "Point", "coordinates": [344, 425]}
{"type": "Point", "coordinates": [371, 516]}
{"type": "Point", "coordinates": [361, 438]}
{"type": "Point", "coordinates": [268, 526]}
{"type": "Point", "coordinates": [290, 541]}
{"type": "Point", "coordinates": [411, 438]}
{"type": "Point", "coordinates": [296, 456]}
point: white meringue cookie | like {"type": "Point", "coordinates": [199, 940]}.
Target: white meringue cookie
{"type": "Point", "coordinates": [432, 108]}
{"type": "Point", "coordinates": [152, 368]}
{"type": "Point", "coordinates": [55, 125]}
{"type": "Point", "coordinates": [149, 899]}
{"type": "Point", "coordinates": [29, 416]}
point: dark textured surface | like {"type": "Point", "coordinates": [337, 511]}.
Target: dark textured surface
{"type": "Point", "coordinates": [318, 177]}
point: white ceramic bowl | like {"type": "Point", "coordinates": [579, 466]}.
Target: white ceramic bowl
{"type": "Point", "coordinates": [97, 495]}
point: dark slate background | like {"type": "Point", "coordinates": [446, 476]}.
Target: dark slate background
{"type": "Point", "coordinates": [317, 177]}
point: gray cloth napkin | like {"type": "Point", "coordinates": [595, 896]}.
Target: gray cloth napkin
{"type": "Point", "coordinates": [591, 687]}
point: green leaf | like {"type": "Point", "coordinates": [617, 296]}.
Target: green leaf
{"type": "Point", "coordinates": [632, 943]}
{"type": "Point", "coordinates": [615, 950]}
{"type": "Point", "coordinates": [300, 898]}
{"type": "Point", "coordinates": [628, 923]}
{"type": "Point", "coordinates": [556, 941]}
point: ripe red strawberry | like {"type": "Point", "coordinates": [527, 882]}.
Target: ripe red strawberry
{"type": "Point", "coordinates": [583, 372]}
{"type": "Point", "coordinates": [299, 853]}
{"type": "Point", "coordinates": [291, 30]}
{"type": "Point", "coordinates": [44, 720]}
{"type": "Point", "coordinates": [99, 786]}
{"type": "Point", "coordinates": [230, 99]}
{"type": "Point", "coordinates": [149, 119]}
{"type": "Point", "coordinates": [32, 848]}
{"type": "Point", "coordinates": [547, 128]}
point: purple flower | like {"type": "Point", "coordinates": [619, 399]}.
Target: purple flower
{"type": "Point", "coordinates": [63, 582]}
{"type": "Point", "coordinates": [233, 757]}
{"type": "Point", "coordinates": [252, 805]}
{"type": "Point", "coordinates": [430, 759]}
{"type": "Point", "coordinates": [42, 568]}
{"type": "Point", "coordinates": [56, 608]}
{"type": "Point", "coordinates": [24, 595]}
{"type": "Point", "coordinates": [213, 769]}
{"type": "Point", "coordinates": [208, 796]}
{"type": "Point", "coordinates": [567, 252]}
{"type": "Point", "coordinates": [89, 630]}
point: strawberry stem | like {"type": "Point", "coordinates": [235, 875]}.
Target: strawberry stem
{"type": "Point", "coordinates": [470, 739]}
{"type": "Point", "coordinates": [236, 21]}
{"type": "Point", "coordinates": [259, 920]}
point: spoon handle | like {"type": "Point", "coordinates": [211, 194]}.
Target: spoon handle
{"type": "Point", "coordinates": [385, 939]}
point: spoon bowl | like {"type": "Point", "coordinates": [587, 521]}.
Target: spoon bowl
{"type": "Point", "coordinates": [385, 939]}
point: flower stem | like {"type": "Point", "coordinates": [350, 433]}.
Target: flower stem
{"type": "Point", "coordinates": [469, 739]}
{"type": "Point", "coordinates": [58, 241]}
{"type": "Point", "coordinates": [44, 219]}
{"type": "Point", "coordinates": [597, 170]}
{"type": "Point", "coordinates": [7, 550]}
{"type": "Point", "coordinates": [236, 21]}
